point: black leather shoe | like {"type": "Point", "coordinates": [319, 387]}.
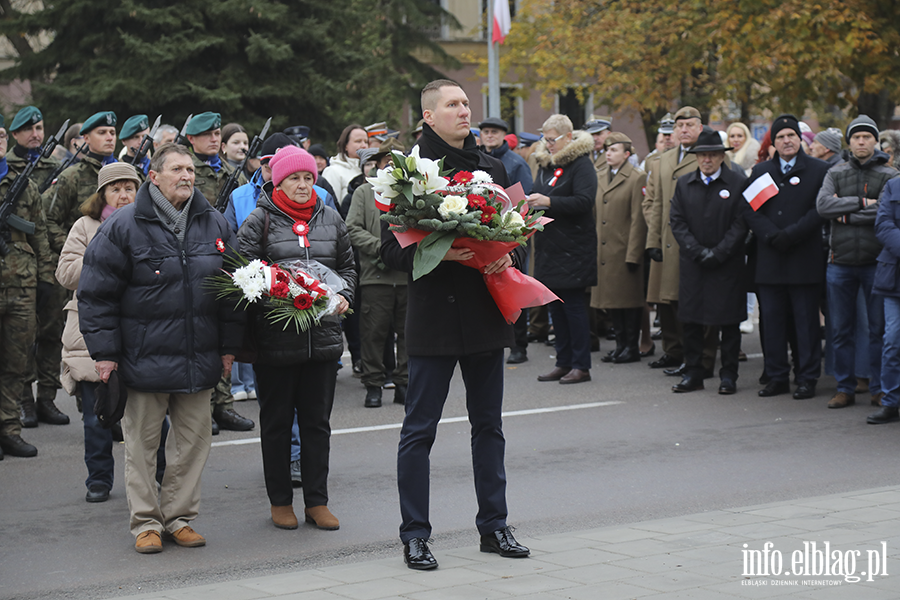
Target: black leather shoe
{"type": "Point", "coordinates": [805, 390]}
{"type": "Point", "coordinates": [97, 493]}
{"type": "Point", "coordinates": [1, 453]}
{"type": "Point", "coordinates": [609, 357]}
{"type": "Point", "coordinates": [649, 352]}
{"type": "Point", "coordinates": [48, 413]}
{"type": "Point", "coordinates": [517, 356]}
{"type": "Point", "coordinates": [726, 386]}
{"type": "Point", "coordinates": [296, 476]}
{"type": "Point", "coordinates": [503, 543]}
{"type": "Point", "coordinates": [665, 361]}
{"type": "Point", "coordinates": [887, 414]}
{"type": "Point", "coordinates": [417, 556]}
{"type": "Point", "coordinates": [400, 393]}
{"type": "Point", "coordinates": [14, 445]}
{"type": "Point", "coordinates": [373, 397]}
{"type": "Point", "coordinates": [676, 371]}
{"type": "Point", "coordinates": [228, 419]}
{"type": "Point", "coordinates": [215, 427]}
{"type": "Point", "coordinates": [628, 355]}
{"type": "Point", "coordinates": [774, 388]}
{"type": "Point", "coordinates": [688, 384]}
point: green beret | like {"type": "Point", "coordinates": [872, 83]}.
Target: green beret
{"type": "Point", "coordinates": [106, 118]}
{"type": "Point", "coordinates": [204, 122]}
{"type": "Point", "coordinates": [134, 125]}
{"type": "Point", "coordinates": [30, 115]}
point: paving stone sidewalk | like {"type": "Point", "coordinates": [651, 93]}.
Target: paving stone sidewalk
{"type": "Point", "coordinates": [713, 555]}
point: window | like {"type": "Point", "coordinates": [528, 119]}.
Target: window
{"type": "Point", "coordinates": [570, 106]}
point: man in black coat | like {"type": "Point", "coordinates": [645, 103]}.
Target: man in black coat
{"type": "Point", "coordinates": [451, 318]}
{"type": "Point", "coordinates": [705, 216]}
{"type": "Point", "coordinates": [790, 265]}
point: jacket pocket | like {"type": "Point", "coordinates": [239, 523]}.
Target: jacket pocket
{"type": "Point", "coordinates": [886, 277]}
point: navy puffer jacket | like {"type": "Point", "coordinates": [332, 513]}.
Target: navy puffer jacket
{"type": "Point", "coordinates": [330, 245]}
{"type": "Point", "coordinates": [143, 299]}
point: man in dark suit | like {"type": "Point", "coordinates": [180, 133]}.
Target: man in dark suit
{"type": "Point", "coordinates": [451, 319]}
{"type": "Point", "coordinates": [790, 262]}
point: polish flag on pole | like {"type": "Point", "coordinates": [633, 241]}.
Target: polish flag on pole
{"type": "Point", "coordinates": [502, 21]}
{"type": "Point", "coordinates": [760, 190]}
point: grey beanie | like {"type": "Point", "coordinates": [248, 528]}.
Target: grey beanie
{"type": "Point", "coordinates": [862, 123]}
{"type": "Point", "coordinates": [830, 138]}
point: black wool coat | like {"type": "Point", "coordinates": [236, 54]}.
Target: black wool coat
{"type": "Point", "coordinates": [792, 210]}
{"type": "Point", "coordinates": [709, 216]}
{"type": "Point", "coordinates": [449, 311]}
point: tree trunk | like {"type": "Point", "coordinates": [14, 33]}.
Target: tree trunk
{"type": "Point", "coordinates": [877, 106]}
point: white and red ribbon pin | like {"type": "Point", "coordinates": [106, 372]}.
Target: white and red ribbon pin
{"type": "Point", "coordinates": [301, 228]}
{"type": "Point", "coordinates": [556, 175]}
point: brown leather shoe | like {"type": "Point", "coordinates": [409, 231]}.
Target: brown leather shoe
{"type": "Point", "coordinates": [148, 542]}
{"type": "Point", "coordinates": [322, 518]}
{"type": "Point", "coordinates": [841, 400]}
{"type": "Point", "coordinates": [876, 398]}
{"type": "Point", "coordinates": [576, 376]}
{"type": "Point", "coordinates": [555, 375]}
{"type": "Point", "coordinates": [188, 538]}
{"type": "Point", "coordinates": [284, 517]}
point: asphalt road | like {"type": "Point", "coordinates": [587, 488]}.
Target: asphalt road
{"type": "Point", "coordinates": [620, 449]}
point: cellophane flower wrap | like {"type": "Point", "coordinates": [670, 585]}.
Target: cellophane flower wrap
{"type": "Point", "coordinates": [297, 292]}
{"type": "Point", "coordinates": [469, 210]}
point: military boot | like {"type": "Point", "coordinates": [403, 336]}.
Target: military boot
{"type": "Point", "coordinates": [26, 403]}
{"type": "Point", "coordinates": [14, 445]}
{"type": "Point", "coordinates": [373, 397]}
{"type": "Point", "coordinates": [48, 413]}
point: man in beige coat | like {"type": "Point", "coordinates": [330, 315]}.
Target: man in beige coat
{"type": "Point", "coordinates": [621, 236]}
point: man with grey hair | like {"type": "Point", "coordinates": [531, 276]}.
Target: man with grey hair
{"type": "Point", "coordinates": [143, 285]}
{"type": "Point", "coordinates": [166, 134]}
{"type": "Point", "coordinates": [827, 146]}
{"type": "Point", "coordinates": [890, 145]}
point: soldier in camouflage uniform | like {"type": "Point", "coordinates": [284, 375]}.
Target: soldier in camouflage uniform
{"type": "Point", "coordinates": [62, 205]}
{"type": "Point", "coordinates": [26, 275]}
{"type": "Point", "coordinates": [210, 172]}
{"type": "Point", "coordinates": [28, 131]}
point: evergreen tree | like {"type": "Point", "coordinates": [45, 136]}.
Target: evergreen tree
{"type": "Point", "coordinates": [321, 64]}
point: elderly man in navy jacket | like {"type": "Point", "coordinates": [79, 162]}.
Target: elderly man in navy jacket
{"type": "Point", "coordinates": [451, 319]}
{"type": "Point", "coordinates": [791, 265]}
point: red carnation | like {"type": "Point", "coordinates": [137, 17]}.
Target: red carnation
{"type": "Point", "coordinates": [280, 289]}
{"type": "Point", "coordinates": [463, 177]}
{"type": "Point", "coordinates": [487, 214]}
{"type": "Point", "coordinates": [303, 301]}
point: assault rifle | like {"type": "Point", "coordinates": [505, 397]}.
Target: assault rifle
{"type": "Point", "coordinates": [71, 161]}
{"type": "Point", "coordinates": [231, 182]}
{"type": "Point", "coordinates": [8, 218]}
{"type": "Point", "coordinates": [146, 143]}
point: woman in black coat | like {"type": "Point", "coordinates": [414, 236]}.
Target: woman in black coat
{"type": "Point", "coordinates": [297, 371]}
{"type": "Point", "coordinates": [566, 251]}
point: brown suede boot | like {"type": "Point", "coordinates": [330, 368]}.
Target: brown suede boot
{"type": "Point", "coordinates": [322, 518]}
{"type": "Point", "coordinates": [284, 517]}
{"type": "Point", "coordinates": [148, 542]}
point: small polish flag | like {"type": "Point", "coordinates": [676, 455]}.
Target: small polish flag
{"type": "Point", "coordinates": [502, 21]}
{"type": "Point", "coordinates": [760, 190]}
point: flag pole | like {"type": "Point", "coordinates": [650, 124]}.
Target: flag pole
{"type": "Point", "coordinates": [493, 66]}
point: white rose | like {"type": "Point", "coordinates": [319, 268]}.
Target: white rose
{"type": "Point", "coordinates": [452, 204]}
{"type": "Point", "coordinates": [515, 219]}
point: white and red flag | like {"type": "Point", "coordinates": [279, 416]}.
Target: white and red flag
{"type": "Point", "coordinates": [502, 21]}
{"type": "Point", "coordinates": [760, 190]}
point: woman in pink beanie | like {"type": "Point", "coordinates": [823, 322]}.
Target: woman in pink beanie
{"type": "Point", "coordinates": [297, 370]}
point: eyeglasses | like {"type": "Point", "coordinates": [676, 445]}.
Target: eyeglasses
{"type": "Point", "coordinates": [3, 135]}
{"type": "Point", "coordinates": [552, 141]}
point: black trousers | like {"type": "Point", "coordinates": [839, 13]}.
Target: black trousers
{"type": "Point", "coordinates": [308, 388]}
{"type": "Point", "coordinates": [776, 304]}
{"type": "Point", "coordinates": [695, 339]}
{"type": "Point", "coordinates": [429, 383]}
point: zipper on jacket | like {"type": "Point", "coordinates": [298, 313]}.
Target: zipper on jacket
{"type": "Point", "coordinates": [189, 303]}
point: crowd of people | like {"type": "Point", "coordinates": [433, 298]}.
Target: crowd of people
{"type": "Point", "coordinates": [104, 291]}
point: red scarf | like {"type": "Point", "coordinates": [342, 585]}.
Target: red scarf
{"type": "Point", "coordinates": [300, 213]}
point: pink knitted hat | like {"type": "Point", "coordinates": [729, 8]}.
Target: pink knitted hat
{"type": "Point", "coordinates": [292, 159]}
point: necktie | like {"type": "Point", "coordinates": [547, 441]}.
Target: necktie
{"type": "Point", "coordinates": [708, 179]}
{"type": "Point", "coordinates": [787, 167]}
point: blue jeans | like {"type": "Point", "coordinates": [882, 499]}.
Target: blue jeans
{"type": "Point", "coordinates": [572, 329]}
{"type": "Point", "coordinates": [890, 358]}
{"type": "Point", "coordinates": [98, 442]}
{"type": "Point", "coordinates": [242, 379]}
{"type": "Point", "coordinates": [843, 285]}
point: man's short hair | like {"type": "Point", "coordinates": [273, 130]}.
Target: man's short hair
{"type": "Point", "coordinates": [561, 124]}
{"type": "Point", "coordinates": [161, 155]}
{"type": "Point", "coordinates": [432, 91]}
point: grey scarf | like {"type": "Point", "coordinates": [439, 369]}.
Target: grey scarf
{"type": "Point", "coordinates": [174, 219]}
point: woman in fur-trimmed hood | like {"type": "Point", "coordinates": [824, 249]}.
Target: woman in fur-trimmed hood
{"type": "Point", "coordinates": [566, 251]}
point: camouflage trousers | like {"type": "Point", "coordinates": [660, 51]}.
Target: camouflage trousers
{"type": "Point", "coordinates": [45, 362]}
{"type": "Point", "coordinates": [17, 329]}
{"type": "Point", "coordinates": [222, 394]}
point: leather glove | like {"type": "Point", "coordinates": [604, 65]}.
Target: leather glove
{"type": "Point", "coordinates": [655, 254]}
{"type": "Point", "coordinates": [42, 295]}
{"type": "Point", "coordinates": [780, 241]}
{"type": "Point", "coordinates": [708, 259]}
{"type": "Point", "coordinates": [632, 267]}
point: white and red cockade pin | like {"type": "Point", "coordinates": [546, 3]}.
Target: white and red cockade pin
{"type": "Point", "coordinates": [301, 228]}
{"type": "Point", "coordinates": [556, 175]}
{"type": "Point", "coordinates": [220, 246]}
